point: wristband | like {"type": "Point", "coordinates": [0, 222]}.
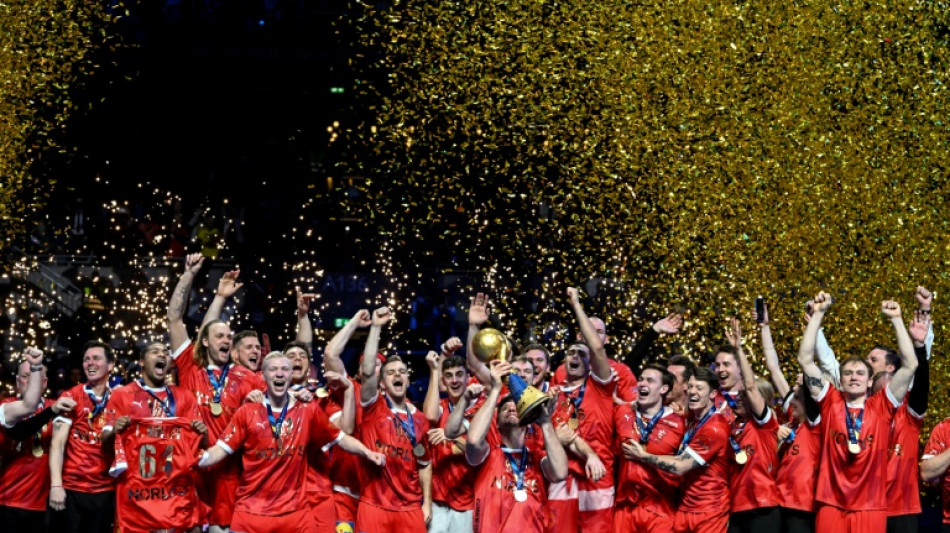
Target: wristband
{"type": "Point", "coordinates": [36, 368]}
{"type": "Point", "coordinates": [56, 486]}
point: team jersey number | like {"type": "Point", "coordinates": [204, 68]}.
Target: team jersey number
{"type": "Point", "coordinates": [147, 460]}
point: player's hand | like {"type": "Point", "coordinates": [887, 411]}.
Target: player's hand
{"type": "Point", "coordinates": [57, 498]}
{"type": "Point", "coordinates": [919, 327]}
{"type": "Point", "coordinates": [255, 396]}
{"type": "Point", "coordinates": [228, 284]}
{"type": "Point", "coordinates": [376, 458]}
{"type": "Point", "coordinates": [304, 395]}
{"type": "Point", "coordinates": [822, 303]}
{"type": "Point", "coordinates": [303, 301]}
{"type": "Point", "coordinates": [499, 369]}
{"type": "Point", "coordinates": [63, 405]}
{"type": "Point", "coordinates": [427, 512]}
{"type": "Point", "coordinates": [478, 311]}
{"type": "Point", "coordinates": [34, 356]}
{"type": "Point", "coordinates": [669, 325]}
{"type": "Point", "coordinates": [121, 423]}
{"type": "Point", "coordinates": [363, 319]}
{"type": "Point", "coordinates": [734, 332]}
{"type": "Point", "coordinates": [633, 450]}
{"type": "Point", "coordinates": [199, 427]}
{"type": "Point", "coordinates": [193, 263]}
{"type": "Point", "coordinates": [924, 298]}
{"type": "Point", "coordinates": [473, 391]}
{"type": "Point", "coordinates": [336, 381]}
{"type": "Point", "coordinates": [890, 309]}
{"type": "Point", "coordinates": [437, 436]}
{"type": "Point", "coordinates": [783, 432]}
{"type": "Point", "coordinates": [451, 346]}
{"type": "Point", "coordinates": [573, 298]}
{"type": "Point", "coordinates": [548, 410]}
{"type": "Point", "coordinates": [381, 316]}
{"type": "Point", "coordinates": [595, 467]}
{"type": "Point", "coordinates": [434, 361]}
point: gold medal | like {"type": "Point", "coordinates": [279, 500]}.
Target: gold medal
{"type": "Point", "coordinates": [742, 457]}
{"type": "Point", "coordinates": [854, 448]}
{"type": "Point", "coordinates": [419, 450]}
{"type": "Point", "coordinates": [215, 408]}
{"type": "Point", "coordinates": [37, 450]}
{"type": "Point", "coordinates": [322, 392]}
{"type": "Point", "coordinates": [572, 423]}
{"type": "Point", "coordinates": [521, 495]}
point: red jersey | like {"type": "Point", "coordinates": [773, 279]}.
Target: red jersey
{"type": "Point", "coordinates": [591, 407]}
{"type": "Point", "coordinates": [275, 468]}
{"type": "Point", "coordinates": [453, 479]}
{"type": "Point", "coordinates": [238, 383]}
{"type": "Point", "coordinates": [706, 489]}
{"type": "Point", "coordinates": [725, 403]}
{"type": "Point", "coordinates": [856, 482]}
{"type": "Point", "coordinates": [639, 484]}
{"type": "Point", "coordinates": [24, 477]}
{"type": "Point", "coordinates": [394, 486]}
{"type": "Point", "coordinates": [319, 487]}
{"type": "Point", "coordinates": [86, 462]}
{"type": "Point", "coordinates": [626, 385]}
{"type": "Point", "coordinates": [496, 509]}
{"type": "Point", "coordinates": [138, 401]}
{"type": "Point", "coordinates": [158, 492]}
{"type": "Point", "coordinates": [903, 470]}
{"type": "Point", "coordinates": [798, 469]}
{"type": "Point", "coordinates": [938, 443]}
{"type": "Point", "coordinates": [753, 484]}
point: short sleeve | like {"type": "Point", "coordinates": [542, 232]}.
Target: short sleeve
{"type": "Point", "coordinates": [708, 442]}
{"type": "Point", "coordinates": [234, 434]}
{"type": "Point", "coordinates": [322, 432]}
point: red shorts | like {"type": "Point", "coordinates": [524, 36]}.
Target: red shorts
{"type": "Point", "coordinates": [324, 512]}
{"type": "Point", "coordinates": [374, 519]}
{"type": "Point", "coordinates": [580, 505]}
{"type": "Point", "coordinates": [218, 487]}
{"type": "Point", "coordinates": [702, 522]}
{"type": "Point", "coordinates": [831, 518]}
{"type": "Point", "coordinates": [300, 521]}
{"type": "Point", "coordinates": [630, 517]}
{"type": "Point", "coordinates": [346, 508]}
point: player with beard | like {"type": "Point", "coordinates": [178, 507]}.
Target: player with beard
{"type": "Point", "coordinates": [704, 461]}
{"type": "Point", "coordinates": [274, 436]}
{"type": "Point", "coordinates": [453, 497]}
{"type": "Point", "coordinates": [509, 490]}
{"type": "Point", "coordinates": [754, 440]}
{"type": "Point", "coordinates": [584, 500]}
{"type": "Point", "coordinates": [646, 496]}
{"type": "Point", "coordinates": [852, 475]}
{"type": "Point", "coordinates": [24, 465]}
{"type": "Point", "coordinates": [80, 454]}
{"type": "Point", "coordinates": [220, 387]}
{"type": "Point", "coordinates": [158, 431]}
{"type": "Point", "coordinates": [398, 496]}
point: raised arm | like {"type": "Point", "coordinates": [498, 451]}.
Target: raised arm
{"type": "Point", "coordinates": [430, 407]}
{"type": "Point", "coordinates": [227, 286]}
{"type": "Point", "coordinates": [477, 316]}
{"type": "Point", "coordinates": [905, 374]}
{"type": "Point", "coordinates": [476, 447]}
{"type": "Point", "coordinates": [555, 468]}
{"type": "Point", "coordinates": [919, 395]}
{"type": "Point", "coordinates": [757, 403]}
{"type": "Point", "coordinates": [813, 378]}
{"type": "Point", "coordinates": [455, 424]}
{"type": "Point", "coordinates": [14, 412]}
{"type": "Point", "coordinates": [177, 334]}
{"type": "Point", "coordinates": [669, 325]}
{"type": "Point", "coordinates": [368, 374]}
{"type": "Point", "coordinates": [304, 328]}
{"type": "Point", "coordinates": [772, 363]}
{"type": "Point", "coordinates": [331, 354]}
{"type": "Point", "coordinates": [599, 363]}
{"type": "Point", "coordinates": [347, 420]}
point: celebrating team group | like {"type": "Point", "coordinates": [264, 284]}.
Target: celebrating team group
{"type": "Point", "coordinates": [217, 436]}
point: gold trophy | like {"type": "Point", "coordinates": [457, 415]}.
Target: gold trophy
{"type": "Point", "coordinates": [490, 345]}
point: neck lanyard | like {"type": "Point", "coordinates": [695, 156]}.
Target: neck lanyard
{"type": "Point", "coordinates": [576, 402]}
{"type": "Point", "coordinates": [275, 424]}
{"type": "Point", "coordinates": [691, 432]}
{"type": "Point", "coordinates": [736, 435]}
{"type": "Point", "coordinates": [518, 469]}
{"type": "Point", "coordinates": [407, 425]}
{"type": "Point", "coordinates": [100, 406]}
{"type": "Point", "coordinates": [854, 424]}
{"type": "Point", "coordinates": [168, 405]}
{"type": "Point", "coordinates": [218, 384]}
{"type": "Point", "coordinates": [646, 430]}
{"type": "Point", "coordinates": [729, 399]}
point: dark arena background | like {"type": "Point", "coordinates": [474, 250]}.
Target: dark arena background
{"type": "Point", "coordinates": [669, 156]}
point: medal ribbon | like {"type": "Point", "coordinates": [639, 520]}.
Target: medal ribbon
{"type": "Point", "coordinates": [218, 384]}
{"type": "Point", "coordinates": [168, 405]}
{"type": "Point", "coordinates": [576, 401]}
{"type": "Point", "coordinates": [853, 423]}
{"type": "Point", "coordinates": [735, 436]}
{"type": "Point", "coordinates": [729, 399]}
{"type": "Point", "coordinates": [276, 424]}
{"type": "Point", "coordinates": [518, 469]}
{"type": "Point", "coordinates": [407, 425]}
{"type": "Point", "coordinates": [100, 406]}
{"type": "Point", "coordinates": [646, 430]}
{"type": "Point", "coordinates": [691, 432]}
